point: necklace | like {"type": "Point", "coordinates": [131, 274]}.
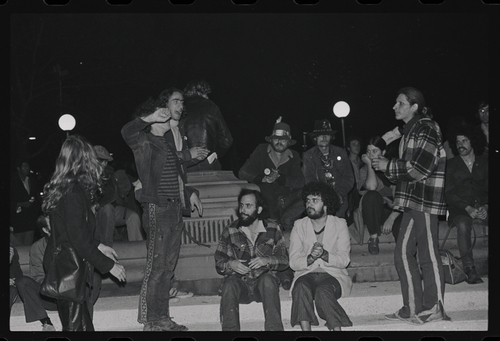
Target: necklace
{"type": "Point", "coordinates": [320, 231]}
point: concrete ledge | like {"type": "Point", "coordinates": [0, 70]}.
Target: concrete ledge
{"type": "Point", "coordinates": [466, 304]}
{"type": "Point", "coordinates": [196, 266]}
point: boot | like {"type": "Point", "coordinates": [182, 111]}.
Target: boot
{"type": "Point", "coordinates": [472, 277]}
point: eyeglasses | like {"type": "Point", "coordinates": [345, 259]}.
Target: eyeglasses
{"type": "Point", "coordinates": [482, 111]}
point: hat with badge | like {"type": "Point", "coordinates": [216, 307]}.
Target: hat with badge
{"type": "Point", "coordinates": [102, 153]}
{"type": "Point", "coordinates": [322, 127]}
{"type": "Point", "coordinates": [281, 130]}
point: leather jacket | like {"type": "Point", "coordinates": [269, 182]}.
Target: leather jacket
{"type": "Point", "coordinates": [204, 126]}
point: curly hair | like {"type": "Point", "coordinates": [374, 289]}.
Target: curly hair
{"type": "Point", "coordinates": [146, 108]}
{"type": "Point", "coordinates": [325, 191]}
{"type": "Point", "coordinates": [197, 87]}
{"type": "Point", "coordinates": [474, 134]}
{"type": "Point", "coordinates": [165, 96]}
{"type": "Point", "coordinates": [77, 163]}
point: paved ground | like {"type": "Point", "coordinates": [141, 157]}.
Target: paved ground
{"type": "Point", "coordinates": [466, 304]}
{"type": "Point", "coordinates": [376, 292]}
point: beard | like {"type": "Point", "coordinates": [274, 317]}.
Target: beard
{"type": "Point", "coordinates": [313, 214]}
{"type": "Point", "coordinates": [247, 220]}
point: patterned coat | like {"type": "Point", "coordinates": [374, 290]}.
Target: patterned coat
{"type": "Point", "coordinates": [234, 244]}
{"type": "Point", "coordinates": [419, 171]}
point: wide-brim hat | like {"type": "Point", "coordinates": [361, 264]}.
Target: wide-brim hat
{"type": "Point", "coordinates": [281, 131]}
{"type": "Point", "coordinates": [102, 153]}
{"type": "Point", "coordinates": [322, 127]}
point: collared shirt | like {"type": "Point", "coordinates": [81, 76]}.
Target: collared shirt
{"type": "Point", "coordinates": [278, 161]}
{"type": "Point", "coordinates": [463, 187]}
{"type": "Point", "coordinates": [253, 236]}
{"type": "Point", "coordinates": [235, 244]}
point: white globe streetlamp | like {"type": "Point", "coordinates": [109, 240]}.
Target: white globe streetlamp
{"type": "Point", "coordinates": [67, 122]}
{"type": "Point", "coordinates": [341, 109]}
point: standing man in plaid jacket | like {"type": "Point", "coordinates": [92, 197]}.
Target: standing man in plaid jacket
{"type": "Point", "coordinates": [250, 250]}
{"type": "Point", "coordinates": [419, 174]}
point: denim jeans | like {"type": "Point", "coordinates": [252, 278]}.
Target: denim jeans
{"type": "Point", "coordinates": [163, 226]}
{"type": "Point", "coordinates": [236, 291]}
{"type": "Point", "coordinates": [464, 227]}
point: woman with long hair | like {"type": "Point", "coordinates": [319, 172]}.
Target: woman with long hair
{"type": "Point", "coordinates": [377, 196]}
{"type": "Point", "coordinates": [67, 199]}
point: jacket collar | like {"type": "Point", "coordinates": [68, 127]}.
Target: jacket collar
{"type": "Point", "coordinates": [285, 156]}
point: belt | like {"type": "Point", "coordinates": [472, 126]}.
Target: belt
{"type": "Point", "coordinates": [167, 200]}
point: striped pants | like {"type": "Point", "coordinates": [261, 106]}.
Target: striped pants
{"type": "Point", "coordinates": [417, 248]}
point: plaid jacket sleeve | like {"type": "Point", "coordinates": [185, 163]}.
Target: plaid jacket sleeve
{"type": "Point", "coordinates": [420, 157]}
{"type": "Point", "coordinates": [278, 260]}
{"type": "Point", "coordinates": [224, 253]}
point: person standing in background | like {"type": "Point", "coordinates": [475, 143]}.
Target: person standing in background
{"type": "Point", "coordinates": [204, 126]}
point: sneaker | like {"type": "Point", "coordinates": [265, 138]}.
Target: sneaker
{"type": "Point", "coordinates": [151, 327]}
{"type": "Point", "coordinates": [169, 325]}
{"type": "Point", "coordinates": [46, 327]}
{"type": "Point", "coordinates": [436, 313]}
{"type": "Point", "coordinates": [373, 246]}
{"type": "Point", "coordinates": [472, 277]}
{"type": "Point", "coordinates": [397, 316]}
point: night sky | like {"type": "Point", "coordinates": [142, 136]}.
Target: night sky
{"type": "Point", "coordinates": [260, 66]}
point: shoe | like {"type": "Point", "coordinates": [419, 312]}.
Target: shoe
{"type": "Point", "coordinates": [286, 284]}
{"type": "Point", "coordinates": [173, 300]}
{"type": "Point", "coordinates": [151, 327]}
{"type": "Point", "coordinates": [472, 277]}
{"type": "Point", "coordinates": [436, 313]}
{"type": "Point", "coordinates": [373, 246]}
{"type": "Point", "coordinates": [169, 325]}
{"type": "Point", "coordinates": [397, 316]}
{"type": "Point", "coordinates": [48, 328]}
{"type": "Point", "coordinates": [184, 294]}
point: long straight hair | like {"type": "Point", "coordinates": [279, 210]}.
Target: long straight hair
{"type": "Point", "coordinates": [77, 163]}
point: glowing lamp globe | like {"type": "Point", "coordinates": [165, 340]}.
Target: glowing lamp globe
{"type": "Point", "coordinates": [67, 122]}
{"type": "Point", "coordinates": [341, 109]}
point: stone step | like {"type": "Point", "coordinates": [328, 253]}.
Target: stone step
{"type": "Point", "coordinates": [467, 305]}
{"type": "Point", "coordinates": [196, 266]}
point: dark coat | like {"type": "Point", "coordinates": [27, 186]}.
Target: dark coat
{"type": "Point", "coordinates": [73, 223]}
{"type": "Point", "coordinates": [463, 188]}
{"type": "Point", "coordinates": [341, 168]}
{"type": "Point", "coordinates": [150, 157]}
{"type": "Point", "coordinates": [26, 219]}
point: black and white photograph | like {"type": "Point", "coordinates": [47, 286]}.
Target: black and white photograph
{"type": "Point", "coordinates": [294, 171]}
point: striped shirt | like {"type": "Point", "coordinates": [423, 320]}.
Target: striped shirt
{"type": "Point", "coordinates": [169, 181]}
